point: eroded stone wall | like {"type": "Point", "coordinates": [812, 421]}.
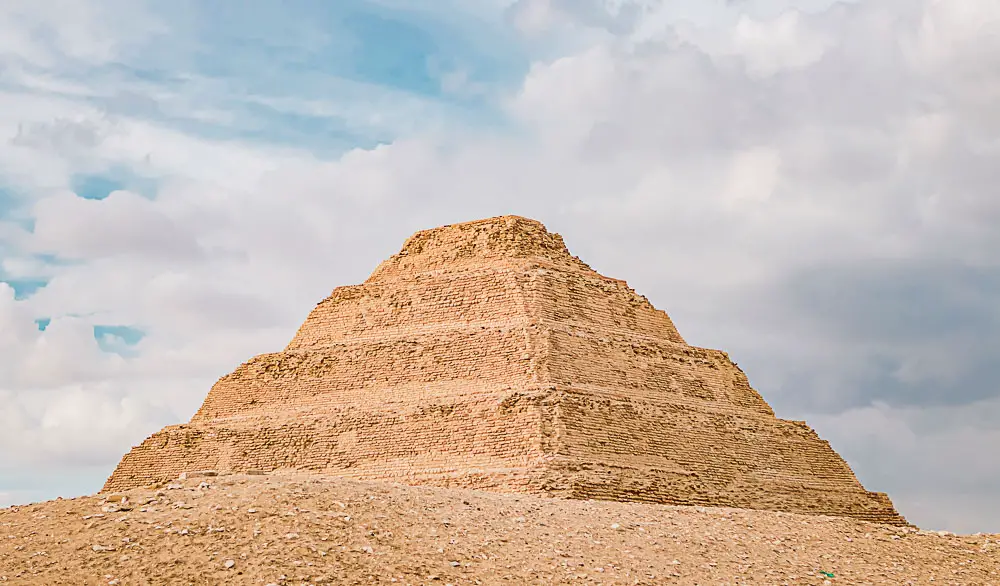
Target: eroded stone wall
{"type": "Point", "coordinates": [707, 455]}
{"type": "Point", "coordinates": [484, 355]}
{"type": "Point", "coordinates": [405, 442]}
{"type": "Point", "coordinates": [350, 371]}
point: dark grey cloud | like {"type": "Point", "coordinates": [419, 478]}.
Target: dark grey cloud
{"type": "Point", "coordinates": [898, 301]}
{"type": "Point", "coordinates": [838, 336]}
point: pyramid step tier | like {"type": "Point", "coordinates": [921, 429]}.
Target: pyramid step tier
{"type": "Point", "coordinates": [528, 289]}
{"type": "Point", "coordinates": [466, 358]}
{"type": "Point", "coordinates": [532, 440]}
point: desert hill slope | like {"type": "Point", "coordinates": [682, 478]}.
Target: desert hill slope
{"type": "Point", "coordinates": [296, 528]}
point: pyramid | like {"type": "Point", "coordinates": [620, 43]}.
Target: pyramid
{"type": "Point", "coordinates": [484, 356]}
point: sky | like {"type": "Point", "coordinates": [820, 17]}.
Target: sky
{"type": "Point", "coordinates": [808, 185]}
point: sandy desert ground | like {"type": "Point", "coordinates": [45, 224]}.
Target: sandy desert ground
{"type": "Point", "coordinates": [285, 529]}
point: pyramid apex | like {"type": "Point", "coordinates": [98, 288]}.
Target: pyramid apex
{"type": "Point", "coordinates": [489, 239]}
{"type": "Point", "coordinates": [507, 223]}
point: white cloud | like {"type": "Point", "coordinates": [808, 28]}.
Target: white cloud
{"type": "Point", "coordinates": [123, 223]}
{"type": "Point", "coordinates": [78, 425]}
{"type": "Point", "coordinates": [753, 175]}
{"type": "Point", "coordinates": [64, 353]}
{"type": "Point", "coordinates": [47, 33]}
{"type": "Point", "coordinates": [779, 44]}
{"type": "Point", "coordinates": [24, 267]}
{"type": "Point", "coordinates": [17, 326]}
{"type": "Point", "coordinates": [532, 16]}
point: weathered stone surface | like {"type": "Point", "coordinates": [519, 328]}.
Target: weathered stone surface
{"type": "Point", "coordinates": [483, 355]}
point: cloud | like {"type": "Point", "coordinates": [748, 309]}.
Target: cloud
{"type": "Point", "coordinates": [47, 34]}
{"type": "Point", "coordinates": [83, 425]}
{"type": "Point", "coordinates": [777, 45]}
{"type": "Point", "coordinates": [613, 16]}
{"type": "Point", "coordinates": [753, 175]}
{"type": "Point", "coordinates": [123, 223]}
{"type": "Point", "coordinates": [65, 352]}
{"type": "Point", "coordinates": [809, 189]}
{"type": "Point", "coordinates": [938, 450]}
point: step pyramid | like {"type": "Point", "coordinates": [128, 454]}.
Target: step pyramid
{"type": "Point", "coordinates": [483, 355]}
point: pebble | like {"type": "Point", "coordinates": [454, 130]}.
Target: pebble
{"type": "Point", "coordinates": [229, 564]}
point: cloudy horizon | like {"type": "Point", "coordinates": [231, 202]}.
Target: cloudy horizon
{"type": "Point", "coordinates": [808, 185]}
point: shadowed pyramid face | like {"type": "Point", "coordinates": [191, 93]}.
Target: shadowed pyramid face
{"type": "Point", "coordinates": [484, 355]}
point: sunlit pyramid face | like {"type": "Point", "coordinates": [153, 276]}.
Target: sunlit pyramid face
{"type": "Point", "coordinates": [483, 355]}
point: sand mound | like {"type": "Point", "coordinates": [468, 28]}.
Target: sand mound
{"type": "Point", "coordinates": [302, 529]}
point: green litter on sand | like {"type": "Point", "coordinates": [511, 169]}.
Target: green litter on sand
{"type": "Point", "coordinates": [827, 574]}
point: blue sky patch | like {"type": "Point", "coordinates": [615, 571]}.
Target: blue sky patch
{"type": "Point", "coordinates": [42, 323]}
{"type": "Point", "coordinates": [113, 338]}
{"type": "Point", "coordinates": [95, 186]}
{"type": "Point", "coordinates": [220, 71]}
{"type": "Point", "coordinates": [391, 52]}
{"type": "Point", "coordinates": [348, 39]}
{"type": "Point", "coordinates": [358, 60]}
{"type": "Point", "coordinates": [7, 201]}
{"type": "Point", "coordinates": [24, 288]}
{"type": "Point", "coordinates": [13, 209]}
{"type": "Point", "coordinates": [101, 185]}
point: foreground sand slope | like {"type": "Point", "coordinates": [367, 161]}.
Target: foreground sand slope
{"type": "Point", "coordinates": [288, 529]}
